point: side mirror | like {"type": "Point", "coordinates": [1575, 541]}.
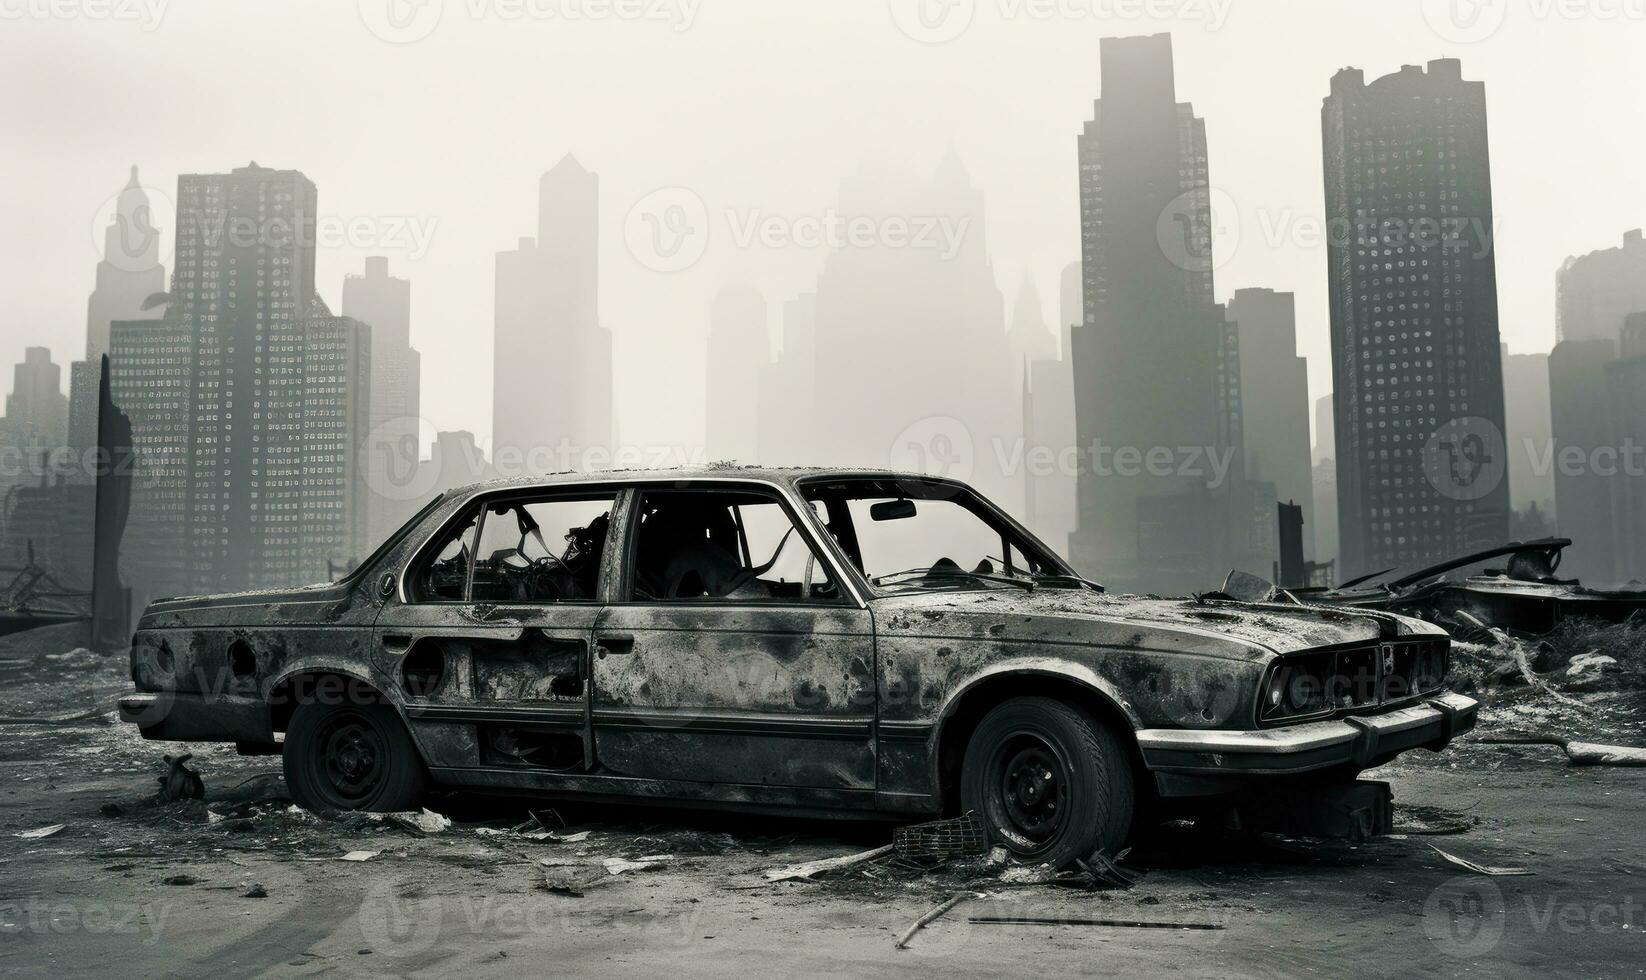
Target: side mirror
{"type": "Point", "coordinates": [892, 510]}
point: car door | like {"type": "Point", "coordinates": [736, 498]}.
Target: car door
{"type": "Point", "coordinates": [734, 652]}
{"type": "Point", "coordinates": [491, 641]}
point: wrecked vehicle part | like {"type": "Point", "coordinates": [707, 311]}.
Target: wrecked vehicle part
{"type": "Point", "coordinates": [1524, 596]}
{"type": "Point", "coordinates": [736, 638]}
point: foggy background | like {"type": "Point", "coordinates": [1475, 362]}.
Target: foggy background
{"type": "Point", "coordinates": [761, 109]}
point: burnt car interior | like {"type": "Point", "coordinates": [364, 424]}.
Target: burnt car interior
{"type": "Point", "coordinates": [729, 545]}
{"type": "Point", "coordinates": [518, 561]}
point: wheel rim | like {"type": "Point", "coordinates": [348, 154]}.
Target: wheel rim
{"type": "Point", "coordinates": [353, 757]}
{"type": "Point", "coordinates": [1028, 789]}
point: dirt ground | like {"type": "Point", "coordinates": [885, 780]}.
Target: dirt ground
{"type": "Point", "coordinates": [136, 888]}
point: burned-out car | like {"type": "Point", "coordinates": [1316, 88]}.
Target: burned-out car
{"type": "Point", "coordinates": [798, 640]}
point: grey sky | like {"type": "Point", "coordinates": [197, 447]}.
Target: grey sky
{"type": "Point", "coordinates": [759, 108]}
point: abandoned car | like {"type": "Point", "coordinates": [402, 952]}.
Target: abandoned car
{"type": "Point", "coordinates": [817, 641]}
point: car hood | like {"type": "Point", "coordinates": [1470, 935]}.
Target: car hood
{"type": "Point", "coordinates": [1233, 630]}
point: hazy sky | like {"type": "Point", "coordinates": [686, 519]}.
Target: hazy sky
{"type": "Point", "coordinates": [426, 146]}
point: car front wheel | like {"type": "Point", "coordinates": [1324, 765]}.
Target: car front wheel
{"type": "Point", "coordinates": [1048, 781]}
{"type": "Point", "coordinates": [351, 756]}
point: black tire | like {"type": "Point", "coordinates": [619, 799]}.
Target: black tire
{"type": "Point", "coordinates": [1048, 781]}
{"type": "Point", "coordinates": [352, 755]}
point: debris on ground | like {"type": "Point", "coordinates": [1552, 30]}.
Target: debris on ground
{"type": "Point", "coordinates": [941, 840]}
{"type": "Point", "coordinates": [424, 822]}
{"type": "Point", "coordinates": [359, 855]}
{"type": "Point", "coordinates": [1422, 820]}
{"type": "Point", "coordinates": [180, 782]}
{"type": "Point", "coordinates": [616, 866]}
{"type": "Point", "coordinates": [1582, 753]}
{"type": "Point", "coordinates": [1010, 920]}
{"type": "Point", "coordinates": [40, 832]}
{"type": "Point", "coordinates": [929, 918]}
{"type": "Point", "coordinates": [180, 880]}
{"type": "Point", "coordinates": [810, 868]}
{"type": "Point", "coordinates": [1482, 869]}
{"type": "Point", "coordinates": [255, 890]}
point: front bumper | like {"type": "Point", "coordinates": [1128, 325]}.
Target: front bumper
{"type": "Point", "coordinates": [1355, 741]}
{"type": "Point", "coordinates": [180, 717]}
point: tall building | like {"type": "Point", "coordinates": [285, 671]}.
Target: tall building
{"type": "Point", "coordinates": [1527, 431]}
{"type": "Point", "coordinates": [393, 451]}
{"type": "Point", "coordinates": [1153, 361]}
{"type": "Point", "coordinates": [129, 276]}
{"type": "Point", "coordinates": [1579, 417]}
{"type": "Point", "coordinates": [1626, 396]}
{"type": "Point", "coordinates": [36, 403]}
{"type": "Point", "coordinates": [552, 368]}
{"type": "Point", "coordinates": [1594, 292]}
{"type": "Point", "coordinates": [1274, 385]}
{"type": "Point", "coordinates": [1417, 376]}
{"type": "Point", "coordinates": [1324, 463]}
{"type": "Point", "coordinates": [245, 398]}
{"type": "Point", "coordinates": [914, 368]}
{"type": "Point", "coordinates": [739, 355]}
{"type": "Point", "coordinates": [456, 460]}
{"type": "Point", "coordinates": [788, 390]}
{"type": "Point", "coordinates": [1049, 430]}
{"type": "Point", "coordinates": [1325, 446]}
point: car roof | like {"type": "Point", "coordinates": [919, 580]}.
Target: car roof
{"type": "Point", "coordinates": [781, 475]}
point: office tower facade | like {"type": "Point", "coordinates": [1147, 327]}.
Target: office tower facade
{"type": "Point", "coordinates": [1626, 404]}
{"type": "Point", "coordinates": [1594, 292]}
{"type": "Point", "coordinates": [1528, 431]}
{"type": "Point", "coordinates": [36, 403]}
{"type": "Point", "coordinates": [1049, 426]}
{"type": "Point", "coordinates": [393, 450]}
{"type": "Point", "coordinates": [788, 390]}
{"type": "Point", "coordinates": [1417, 374]}
{"type": "Point", "coordinates": [1151, 356]}
{"type": "Point", "coordinates": [552, 370]}
{"type": "Point", "coordinates": [739, 355]}
{"type": "Point", "coordinates": [1274, 384]}
{"type": "Point", "coordinates": [244, 398]}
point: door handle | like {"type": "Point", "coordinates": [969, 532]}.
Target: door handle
{"type": "Point", "coordinates": [614, 643]}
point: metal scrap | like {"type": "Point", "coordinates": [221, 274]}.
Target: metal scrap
{"type": "Point", "coordinates": [826, 864]}
{"type": "Point", "coordinates": [1481, 869]}
{"type": "Point", "coordinates": [928, 919]}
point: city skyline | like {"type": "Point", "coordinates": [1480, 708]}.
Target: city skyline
{"type": "Point", "coordinates": [1011, 146]}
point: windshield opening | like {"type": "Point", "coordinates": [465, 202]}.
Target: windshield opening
{"type": "Point", "coordinates": [908, 535]}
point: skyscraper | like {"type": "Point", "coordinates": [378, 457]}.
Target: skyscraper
{"type": "Point", "coordinates": [1594, 292]}
{"type": "Point", "coordinates": [1417, 375]}
{"type": "Point", "coordinates": [248, 400]}
{"type": "Point", "coordinates": [1048, 422]}
{"type": "Point", "coordinates": [1274, 385]}
{"type": "Point", "coordinates": [739, 355]}
{"type": "Point", "coordinates": [788, 390]}
{"type": "Point", "coordinates": [1526, 417]}
{"type": "Point", "coordinates": [36, 403]}
{"type": "Point", "coordinates": [393, 451]}
{"type": "Point", "coordinates": [127, 276]}
{"type": "Point", "coordinates": [552, 368]}
{"type": "Point", "coordinates": [1149, 398]}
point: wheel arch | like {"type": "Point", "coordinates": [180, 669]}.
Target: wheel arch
{"type": "Point", "coordinates": [286, 693]}
{"type": "Point", "coordinates": [967, 707]}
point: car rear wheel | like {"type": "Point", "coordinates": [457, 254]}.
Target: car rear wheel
{"type": "Point", "coordinates": [1048, 781]}
{"type": "Point", "coordinates": [351, 756]}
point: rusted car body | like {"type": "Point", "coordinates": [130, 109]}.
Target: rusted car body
{"type": "Point", "coordinates": [642, 663]}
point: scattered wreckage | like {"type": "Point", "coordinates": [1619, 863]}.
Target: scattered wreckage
{"type": "Point", "coordinates": [815, 641]}
{"type": "Point", "coordinates": [1524, 596]}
